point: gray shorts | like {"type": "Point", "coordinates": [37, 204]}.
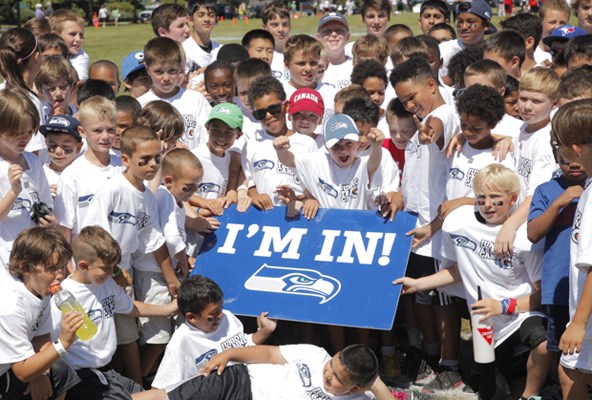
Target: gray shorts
{"type": "Point", "coordinates": [103, 384]}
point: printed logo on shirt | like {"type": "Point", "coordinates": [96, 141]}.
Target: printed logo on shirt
{"type": "Point", "coordinates": [84, 201]}
{"type": "Point", "coordinates": [108, 304]}
{"type": "Point", "coordinates": [506, 262]}
{"type": "Point", "coordinates": [96, 314]}
{"type": "Point", "coordinates": [414, 149]}
{"type": "Point", "coordinates": [343, 83]}
{"type": "Point", "coordinates": [238, 340]}
{"type": "Point", "coordinates": [456, 174]}
{"type": "Point", "coordinates": [524, 167]}
{"type": "Point", "coordinates": [304, 373]}
{"type": "Point", "coordinates": [21, 204]}
{"type": "Point", "coordinates": [189, 123]}
{"type": "Point", "coordinates": [350, 191]}
{"type": "Point", "coordinates": [486, 250]}
{"type": "Point", "coordinates": [260, 165]}
{"type": "Point", "coordinates": [470, 175]}
{"type": "Point", "coordinates": [327, 188]}
{"type": "Point", "coordinates": [126, 218]}
{"type": "Point", "coordinates": [205, 357]}
{"type": "Point", "coordinates": [283, 170]}
{"type": "Point", "coordinates": [575, 233]}
{"type": "Point", "coordinates": [463, 241]}
{"type": "Point", "coordinates": [317, 394]}
{"type": "Point", "coordinates": [208, 187]}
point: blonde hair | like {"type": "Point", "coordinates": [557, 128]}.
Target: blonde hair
{"type": "Point", "coordinates": [61, 16]}
{"type": "Point", "coordinates": [370, 46]}
{"type": "Point", "coordinates": [177, 158]}
{"type": "Point", "coordinates": [496, 177]}
{"type": "Point", "coordinates": [97, 106]}
{"type": "Point", "coordinates": [37, 26]}
{"type": "Point", "coordinates": [554, 5]}
{"type": "Point", "coordinates": [572, 123]}
{"type": "Point", "coordinates": [303, 43]}
{"type": "Point", "coordinates": [53, 68]}
{"type": "Point", "coordinates": [15, 107]}
{"type": "Point", "coordinates": [95, 243]}
{"type": "Point", "coordinates": [161, 116]}
{"type": "Point", "coordinates": [350, 92]}
{"type": "Point", "coordinates": [490, 70]}
{"type": "Point", "coordinates": [541, 80]}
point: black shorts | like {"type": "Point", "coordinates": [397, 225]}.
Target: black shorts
{"type": "Point", "coordinates": [557, 319]}
{"type": "Point", "coordinates": [233, 384]}
{"type": "Point", "coordinates": [102, 384]}
{"type": "Point", "coordinates": [419, 266]}
{"type": "Point", "coordinates": [61, 376]}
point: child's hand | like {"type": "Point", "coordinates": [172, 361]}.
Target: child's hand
{"type": "Point", "coordinates": [420, 235]}
{"type": "Point", "coordinates": [488, 307]}
{"type": "Point", "coordinates": [39, 388]}
{"type": "Point", "coordinates": [455, 145]}
{"type": "Point", "coordinates": [173, 286]}
{"type": "Point", "coordinates": [123, 279]}
{"type": "Point", "coordinates": [207, 225]}
{"type": "Point", "coordinates": [231, 197]}
{"type": "Point", "coordinates": [502, 147]}
{"type": "Point", "coordinates": [70, 323]}
{"type": "Point", "coordinates": [310, 209]}
{"type": "Point", "coordinates": [266, 324]}
{"type": "Point", "coordinates": [53, 190]}
{"type": "Point", "coordinates": [426, 134]}
{"type": "Point", "coordinates": [216, 206]}
{"type": "Point", "coordinates": [293, 208]}
{"type": "Point", "coordinates": [449, 206]}
{"type": "Point", "coordinates": [504, 242]}
{"type": "Point", "coordinates": [389, 204]}
{"type": "Point", "coordinates": [15, 173]}
{"type": "Point", "coordinates": [408, 285]}
{"type": "Point", "coordinates": [572, 339]}
{"type": "Point", "coordinates": [262, 201]}
{"type": "Point", "coordinates": [244, 201]}
{"type": "Point", "coordinates": [173, 308]}
{"type": "Point", "coordinates": [571, 193]}
{"type": "Point", "coordinates": [281, 143]}
{"type": "Point", "coordinates": [285, 193]}
{"type": "Point", "coordinates": [218, 362]}
{"type": "Point", "coordinates": [376, 137]}
{"type": "Point", "coordinates": [46, 220]}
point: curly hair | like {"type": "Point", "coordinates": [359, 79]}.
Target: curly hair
{"type": "Point", "coordinates": [266, 85]}
{"type": "Point", "coordinates": [483, 102]}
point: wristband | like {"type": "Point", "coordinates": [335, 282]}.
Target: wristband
{"type": "Point", "coordinates": [512, 307]}
{"type": "Point", "coordinates": [59, 347]}
{"type": "Point", "coordinates": [117, 271]}
{"type": "Point", "coordinates": [505, 305]}
{"type": "Point", "coordinates": [242, 187]}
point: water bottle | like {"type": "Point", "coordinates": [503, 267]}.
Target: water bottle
{"type": "Point", "coordinates": [66, 302]}
{"type": "Point", "coordinates": [483, 346]}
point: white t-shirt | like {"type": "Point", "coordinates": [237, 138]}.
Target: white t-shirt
{"type": "Point", "coordinates": [77, 186]}
{"type": "Point", "coordinates": [81, 62]}
{"type": "Point", "coordinates": [540, 56]}
{"type": "Point", "coordinates": [196, 57]}
{"type": "Point", "coordinates": [216, 170]}
{"type": "Point", "coordinates": [447, 50]}
{"type": "Point", "coordinates": [580, 252]}
{"type": "Point", "coordinates": [388, 177]}
{"type": "Point", "coordinates": [52, 176]}
{"type": "Point", "coordinates": [339, 76]}
{"type": "Point", "coordinates": [333, 186]}
{"type": "Point", "coordinates": [190, 349]}
{"type": "Point", "coordinates": [470, 243]}
{"type": "Point", "coordinates": [22, 317]}
{"type": "Point", "coordinates": [193, 107]}
{"type": "Point", "coordinates": [131, 216]}
{"type": "Point", "coordinates": [424, 176]}
{"type": "Point", "coordinates": [535, 163]}
{"type": "Point", "coordinates": [508, 126]}
{"type": "Point", "coordinates": [278, 68]}
{"type": "Point", "coordinates": [101, 302]}
{"type": "Point", "coordinates": [34, 189]}
{"type": "Point", "coordinates": [264, 171]}
{"type": "Point", "coordinates": [301, 378]}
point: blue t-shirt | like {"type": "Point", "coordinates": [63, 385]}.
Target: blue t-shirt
{"type": "Point", "coordinates": [555, 274]}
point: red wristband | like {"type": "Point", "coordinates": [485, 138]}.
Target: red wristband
{"type": "Point", "coordinates": [512, 306]}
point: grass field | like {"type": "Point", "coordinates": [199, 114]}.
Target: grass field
{"type": "Point", "coordinates": [114, 43]}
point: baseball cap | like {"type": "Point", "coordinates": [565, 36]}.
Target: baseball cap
{"type": "Point", "coordinates": [478, 7]}
{"type": "Point", "coordinates": [306, 99]}
{"type": "Point", "coordinates": [563, 33]}
{"type": "Point", "coordinates": [133, 62]}
{"type": "Point", "coordinates": [61, 124]}
{"type": "Point", "coordinates": [338, 127]}
{"type": "Point", "coordinates": [228, 113]}
{"type": "Point", "coordinates": [332, 16]}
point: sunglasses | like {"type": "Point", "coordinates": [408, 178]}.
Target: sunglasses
{"type": "Point", "coordinates": [273, 109]}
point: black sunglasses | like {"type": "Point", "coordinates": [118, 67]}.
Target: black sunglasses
{"type": "Point", "coordinates": [273, 109]}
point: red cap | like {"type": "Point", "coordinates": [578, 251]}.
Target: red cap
{"type": "Point", "coordinates": [306, 99]}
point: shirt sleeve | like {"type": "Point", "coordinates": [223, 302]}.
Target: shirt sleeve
{"type": "Point", "coordinates": [539, 203]}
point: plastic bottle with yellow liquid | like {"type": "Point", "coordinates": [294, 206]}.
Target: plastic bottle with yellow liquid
{"type": "Point", "coordinates": [66, 302]}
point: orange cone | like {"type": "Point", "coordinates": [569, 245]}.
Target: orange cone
{"type": "Point", "coordinates": [246, 20]}
{"type": "Point", "coordinates": [234, 21]}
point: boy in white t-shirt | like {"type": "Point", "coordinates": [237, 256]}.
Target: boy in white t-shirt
{"type": "Point", "coordinates": [333, 33]}
{"type": "Point", "coordinates": [207, 331]}
{"type": "Point", "coordinates": [510, 286]}
{"type": "Point", "coordinates": [305, 110]}
{"type": "Point", "coordinates": [29, 362]}
{"type": "Point", "coordinates": [275, 19]}
{"type": "Point", "coordinates": [81, 180]}
{"type": "Point", "coordinates": [69, 26]}
{"type": "Point", "coordinates": [97, 256]}
{"type": "Point", "coordinates": [163, 61]}
{"type": "Point", "coordinates": [571, 137]}
{"type": "Point", "coordinates": [200, 49]}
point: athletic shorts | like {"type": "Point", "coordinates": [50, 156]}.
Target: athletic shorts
{"type": "Point", "coordinates": [233, 384]}
{"type": "Point", "coordinates": [151, 288]}
{"type": "Point", "coordinates": [102, 383]}
{"type": "Point", "coordinates": [557, 320]}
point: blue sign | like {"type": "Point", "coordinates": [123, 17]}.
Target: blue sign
{"type": "Point", "coordinates": [336, 269]}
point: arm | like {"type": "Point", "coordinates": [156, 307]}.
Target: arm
{"type": "Point", "coordinates": [424, 233]}
{"type": "Point", "coordinates": [260, 200]}
{"type": "Point", "coordinates": [572, 338]}
{"type": "Point", "coordinates": [214, 205]}
{"type": "Point", "coordinates": [15, 172]}
{"type": "Point", "coordinates": [504, 242]}
{"type": "Point", "coordinates": [151, 310]}
{"type": "Point", "coordinates": [246, 355]}
{"type": "Point", "coordinates": [282, 148]}
{"type": "Point", "coordinates": [450, 205]}
{"type": "Point", "coordinates": [164, 262]}
{"type": "Point", "coordinates": [380, 390]}
{"type": "Point", "coordinates": [493, 307]}
{"type": "Point", "coordinates": [538, 227]}
{"type": "Point", "coordinates": [376, 137]}
{"type": "Point", "coordinates": [266, 328]}
{"type": "Point", "coordinates": [441, 278]}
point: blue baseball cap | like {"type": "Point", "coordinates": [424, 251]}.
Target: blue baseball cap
{"type": "Point", "coordinates": [563, 33]}
{"type": "Point", "coordinates": [480, 8]}
{"type": "Point", "coordinates": [61, 124]}
{"type": "Point", "coordinates": [339, 127]}
{"type": "Point", "coordinates": [332, 16]}
{"type": "Point", "coordinates": [131, 63]}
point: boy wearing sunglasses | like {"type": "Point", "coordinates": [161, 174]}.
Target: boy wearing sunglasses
{"type": "Point", "coordinates": [510, 286]}
{"type": "Point", "coordinates": [263, 171]}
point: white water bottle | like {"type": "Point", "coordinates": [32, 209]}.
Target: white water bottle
{"type": "Point", "coordinates": [483, 346]}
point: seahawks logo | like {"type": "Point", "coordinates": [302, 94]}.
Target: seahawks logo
{"type": "Point", "coordinates": [260, 165]}
{"type": "Point", "coordinates": [456, 174]}
{"type": "Point", "coordinates": [463, 241]}
{"type": "Point", "coordinates": [208, 187]}
{"type": "Point", "coordinates": [328, 189]}
{"type": "Point", "coordinates": [205, 357]}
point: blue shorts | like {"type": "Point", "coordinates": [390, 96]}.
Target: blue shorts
{"type": "Point", "coordinates": [557, 319]}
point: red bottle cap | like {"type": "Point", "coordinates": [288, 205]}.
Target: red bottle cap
{"type": "Point", "coordinates": [55, 288]}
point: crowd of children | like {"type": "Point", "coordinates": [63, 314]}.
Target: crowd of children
{"type": "Point", "coordinates": [483, 134]}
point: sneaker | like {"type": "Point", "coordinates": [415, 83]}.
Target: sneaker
{"type": "Point", "coordinates": [425, 375]}
{"type": "Point", "coordinates": [390, 367]}
{"type": "Point", "coordinates": [445, 380]}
